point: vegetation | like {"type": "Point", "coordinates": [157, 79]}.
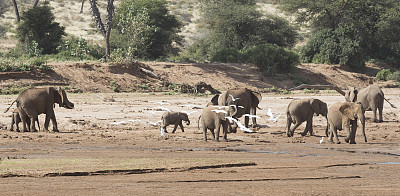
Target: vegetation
{"type": "Point", "coordinates": [384, 74]}
{"type": "Point", "coordinates": [349, 32]}
{"type": "Point", "coordinates": [37, 26]}
{"type": "Point", "coordinates": [144, 29]}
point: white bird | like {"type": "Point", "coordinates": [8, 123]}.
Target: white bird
{"type": "Point", "coordinates": [320, 141]}
{"type": "Point", "coordinates": [154, 123]}
{"type": "Point", "coordinates": [117, 123]}
{"type": "Point", "coordinates": [219, 111]}
{"type": "Point", "coordinates": [188, 113]}
{"type": "Point", "coordinates": [163, 103]}
{"type": "Point", "coordinates": [162, 108]}
{"type": "Point", "coordinates": [136, 120]}
{"type": "Point", "coordinates": [154, 112]}
{"type": "Point", "coordinates": [240, 125]}
{"type": "Point", "coordinates": [220, 106]}
{"type": "Point", "coordinates": [162, 132]}
{"type": "Point", "coordinates": [271, 116]}
{"type": "Point", "coordinates": [240, 106]}
{"type": "Point", "coordinates": [252, 116]}
{"type": "Point", "coordinates": [233, 98]}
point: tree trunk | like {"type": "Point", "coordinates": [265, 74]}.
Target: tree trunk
{"type": "Point", "coordinates": [16, 10]}
{"type": "Point", "coordinates": [110, 15]}
{"type": "Point", "coordinates": [36, 2]}
{"type": "Point", "coordinates": [83, 1]}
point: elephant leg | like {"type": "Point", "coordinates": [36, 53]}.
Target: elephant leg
{"type": "Point", "coordinates": [330, 137]}
{"type": "Point", "coordinates": [246, 121]}
{"type": "Point", "coordinates": [12, 123]}
{"type": "Point", "coordinates": [180, 125]}
{"type": "Point", "coordinates": [54, 121]}
{"type": "Point", "coordinates": [374, 114]}
{"type": "Point", "coordinates": [288, 125]}
{"type": "Point", "coordinates": [353, 132]}
{"type": "Point", "coordinates": [32, 123]}
{"type": "Point", "coordinates": [334, 132]}
{"type": "Point", "coordinates": [175, 126]}
{"type": "Point", "coordinates": [380, 109]}
{"type": "Point", "coordinates": [46, 123]}
{"type": "Point", "coordinates": [212, 133]}
{"type": "Point", "coordinates": [204, 132]}
{"type": "Point", "coordinates": [348, 131]}
{"type": "Point", "coordinates": [217, 133]}
{"type": "Point", "coordinates": [23, 116]}
{"type": "Point", "coordinates": [253, 111]}
{"type": "Point", "coordinates": [225, 130]}
{"type": "Point", "coordinates": [165, 129]}
{"type": "Point", "coordinates": [308, 127]}
{"type": "Point", "coordinates": [294, 128]}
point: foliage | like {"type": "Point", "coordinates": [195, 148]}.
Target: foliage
{"type": "Point", "coordinates": [339, 46]}
{"type": "Point", "coordinates": [383, 74]}
{"type": "Point", "coordinates": [395, 76]}
{"type": "Point", "coordinates": [78, 48]}
{"type": "Point", "coordinates": [271, 58]}
{"type": "Point", "coordinates": [145, 29]}
{"type": "Point", "coordinates": [37, 24]}
{"type": "Point", "coordinates": [228, 55]}
{"type": "Point", "coordinates": [12, 90]}
{"type": "Point", "coordinates": [375, 26]}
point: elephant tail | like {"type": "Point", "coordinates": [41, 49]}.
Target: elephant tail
{"type": "Point", "coordinates": [393, 106]}
{"type": "Point", "coordinates": [10, 106]}
{"type": "Point", "coordinates": [198, 123]}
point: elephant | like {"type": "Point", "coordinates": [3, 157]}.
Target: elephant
{"type": "Point", "coordinates": [300, 110]}
{"type": "Point", "coordinates": [371, 98]}
{"type": "Point", "coordinates": [246, 100]}
{"type": "Point", "coordinates": [169, 118]}
{"type": "Point", "coordinates": [213, 117]}
{"type": "Point", "coordinates": [341, 116]}
{"type": "Point", "coordinates": [15, 119]}
{"type": "Point", "coordinates": [34, 101]}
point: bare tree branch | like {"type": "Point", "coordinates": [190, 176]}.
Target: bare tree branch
{"type": "Point", "coordinates": [16, 10]}
{"type": "Point", "coordinates": [318, 86]}
{"type": "Point", "coordinates": [96, 16]}
{"type": "Point", "coordinates": [36, 2]}
{"type": "Point", "coordinates": [83, 1]}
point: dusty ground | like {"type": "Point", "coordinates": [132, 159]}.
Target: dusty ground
{"type": "Point", "coordinates": [92, 156]}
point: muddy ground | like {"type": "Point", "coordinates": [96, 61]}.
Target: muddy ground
{"type": "Point", "coordinates": [103, 149]}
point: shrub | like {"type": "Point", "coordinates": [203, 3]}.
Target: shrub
{"type": "Point", "coordinates": [227, 55]}
{"type": "Point", "coordinates": [383, 74]}
{"type": "Point", "coordinates": [37, 24]}
{"type": "Point", "coordinates": [145, 29]}
{"type": "Point", "coordinates": [395, 76]}
{"type": "Point", "coordinates": [339, 46]}
{"type": "Point", "coordinates": [271, 58]}
{"type": "Point", "coordinates": [78, 48]}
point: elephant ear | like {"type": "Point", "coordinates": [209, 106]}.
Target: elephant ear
{"type": "Point", "coordinates": [61, 93]}
{"type": "Point", "coordinates": [222, 99]}
{"type": "Point", "coordinates": [221, 116]}
{"type": "Point", "coordinates": [347, 110]}
{"type": "Point", "coordinates": [183, 116]}
{"type": "Point", "coordinates": [255, 98]}
{"type": "Point", "coordinates": [315, 105]}
{"type": "Point", "coordinates": [353, 94]}
{"type": "Point", "coordinates": [214, 100]}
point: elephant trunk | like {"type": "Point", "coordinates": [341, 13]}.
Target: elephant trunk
{"type": "Point", "coordinates": [327, 127]}
{"type": "Point", "coordinates": [362, 120]}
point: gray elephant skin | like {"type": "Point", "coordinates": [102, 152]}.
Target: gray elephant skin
{"type": "Point", "coordinates": [371, 98]}
{"type": "Point", "coordinates": [213, 117]}
{"type": "Point", "coordinates": [15, 119]}
{"type": "Point", "coordinates": [35, 101]}
{"type": "Point", "coordinates": [246, 100]}
{"type": "Point", "coordinates": [174, 118]}
{"type": "Point", "coordinates": [344, 116]}
{"type": "Point", "coordinates": [300, 110]}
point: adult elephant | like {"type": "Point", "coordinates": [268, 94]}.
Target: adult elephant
{"type": "Point", "coordinates": [35, 101]}
{"type": "Point", "coordinates": [371, 98]}
{"type": "Point", "coordinates": [246, 101]}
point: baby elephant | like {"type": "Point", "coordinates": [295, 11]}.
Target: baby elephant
{"type": "Point", "coordinates": [16, 119]}
{"type": "Point", "coordinates": [169, 118]}
{"type": "Point", "coordinates": [300, 110]}
{"type": "Point", "coordinates": [344, 116]}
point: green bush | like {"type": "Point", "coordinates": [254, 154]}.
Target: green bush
{"type": "Point", "coordinates": [271, 58]}
{"type": "Point", "coordinates": [78, 48]}
{"type": "Point", "coordinates": [339, 46]}
{"type": "Point", "coordinates": [144, 29]}
{"type": "Point", "coordinates": [383, 74]}
{"type": "Point", "coordinates": [37, 24]}
{"type": "Point", "coordinates": [395, 76]}
{"type": "Point", "coordinates": [227, 55]}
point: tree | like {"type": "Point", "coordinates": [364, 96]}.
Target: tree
{"type": "Point", "coordinates": [16, 10]}
{"type": "Point", "coordinates": [104, 29]}
{"type": "Point", "coordinates": [367, 17]}
{"type": "Point", "coordinates": [37, 24]}
{"type": "Point", "coordinates": [145, 29]}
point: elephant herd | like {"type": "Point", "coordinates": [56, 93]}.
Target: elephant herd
{"type": "Point", "coordinates": [224, 110]}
